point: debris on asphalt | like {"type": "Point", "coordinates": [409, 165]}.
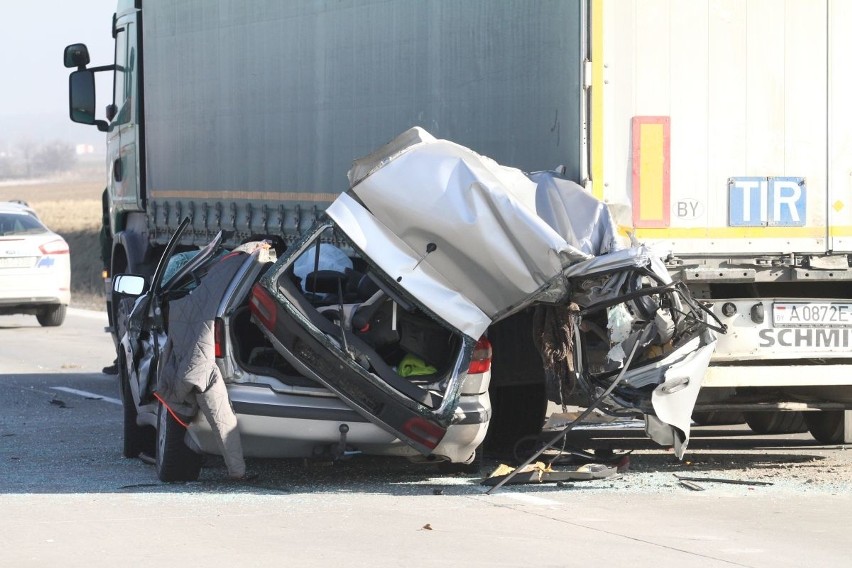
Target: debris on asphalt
{"type": "Point", "coordinates": [140, 485]}
{"type": "Point", "coordinates": [721, 480]}
{"type": "Point", "coordinates": [690, 485]}
{"type": "Point", "coordinates": [539, 472]}
{"type": "Point", "coordinates": [58, 402]}
{"type": "Point", "coordinates": [148, 459]}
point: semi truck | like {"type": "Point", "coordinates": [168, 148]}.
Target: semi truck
{"type": "Point", "coordinates": [713, 130]}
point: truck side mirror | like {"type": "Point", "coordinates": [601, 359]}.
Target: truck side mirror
{"type": "Point", "coordinates": [129, 284]}
{"type": "Point", "coordinates": [81, 98]}
{"type": "Point", "coordinates": [76, 55]}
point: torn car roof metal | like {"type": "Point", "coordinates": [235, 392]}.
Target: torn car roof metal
{"type": "Point", "coordinates": [481, 220]}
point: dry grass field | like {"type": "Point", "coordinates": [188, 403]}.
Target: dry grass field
{"type": "Point", "coordinates": [70, 206]}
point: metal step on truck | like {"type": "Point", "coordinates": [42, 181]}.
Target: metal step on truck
{"type": "Point", "coordinates": [715, 131]}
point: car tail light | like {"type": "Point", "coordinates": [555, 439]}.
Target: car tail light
{"type": "Point", "coordinates": [263, 307]}
{"type": "Point", "coordinates": [54, 247]}
{"type": "Point", "coordinates": [423, 432]}
{"type": "Point", "coordinates": [481, 359]}
{"type": "Point", "coordinates": [218, 337]}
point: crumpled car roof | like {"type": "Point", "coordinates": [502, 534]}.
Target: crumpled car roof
{"type": "Point", "coordinates": [472, 239]}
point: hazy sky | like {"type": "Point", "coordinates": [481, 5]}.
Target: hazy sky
{"type": "Point", "coordinates": [34, 86]}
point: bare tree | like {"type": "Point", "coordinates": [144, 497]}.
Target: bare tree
{"type": "Point", "coordinates": [6, 165]}
{"type": "Point", "coordinates": [53, 157]}
{"type": "Point", "coordinates": [26, 151]}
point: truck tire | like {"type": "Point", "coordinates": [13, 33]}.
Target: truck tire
{"type": "Point", "coordinates": [52, 316]}
{"type": "Point", "coordinates": [517, 391]}
{"type": "Point", "coordinates": [825, 426]}
{"type": "Point", "coordinates": [175, 461]}
{"type": "Point", "coordinates": [717, 418]}
{"type": "Point", "coordinates": [137, 439]}
{"type": "Point", "coordinates": [517, 411]}
{"type": "Point", "coordinates": [776, 422]}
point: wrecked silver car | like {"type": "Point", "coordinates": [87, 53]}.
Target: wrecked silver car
{"type": "Point", "coordinates": [198, 375]}
{"type": "Point", "coordinates": [370, 334]}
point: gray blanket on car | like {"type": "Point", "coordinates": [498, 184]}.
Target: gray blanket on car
{"type": "Point", "coordinates": [189, 378]}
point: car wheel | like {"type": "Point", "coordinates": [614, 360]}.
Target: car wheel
{"type": "Point", "coordinates": [52, 316]}
{"type": "Point", "coordinates": [137, 439]}
{"type": "Point", "coordinates": [717, 418]}
{"type": "Point", "coordinates": [776, 422]}
{"type": "Point", "coordinates": [826, 426]}
{"type": "Point", "coordinates": [175, 461]}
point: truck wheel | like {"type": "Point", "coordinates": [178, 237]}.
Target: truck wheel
{"type": "Point", "coordinates": [119, 318]}
{"type": "Point", "coordinates": [137, 439]}
{"type": "Point", "coordinates": [717, 418]}
{"type": "Point", "coordinates": [826, 426]}
{"type": "Point", "coordinates": [52, 316]}
{"type": "Point", "coordinates": [517, 411]}
{"type": "Point", "coordinates": [776, 422]}
{"type": "Point", "coordinates": [175, 461]}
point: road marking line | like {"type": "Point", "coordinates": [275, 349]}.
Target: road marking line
{"type": "Point", "coordinates": [87, 394]}
{"type": "Point", "coordinates": [531, 499]}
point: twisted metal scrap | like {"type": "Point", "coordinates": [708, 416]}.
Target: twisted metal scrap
{"type": "Point", "coordinates": [553, 336]}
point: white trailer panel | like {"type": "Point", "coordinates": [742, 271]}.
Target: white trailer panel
{"type": "Point", "coordinates": [744, 168]}
{"type": "Point", "coordinates": [839, 202]}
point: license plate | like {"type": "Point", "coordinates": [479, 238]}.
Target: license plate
{"type": "Point", "coordinates": [16, 261]}
{"type": "Point", "coordinates": [811, 314]}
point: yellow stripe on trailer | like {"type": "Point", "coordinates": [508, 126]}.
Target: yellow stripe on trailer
{"type": "Point", "coordinates": [596, 118]}
{"type": "Point", "coordinates": [732, 233]}
{"type": "Point", "coordinates": [651, 171]}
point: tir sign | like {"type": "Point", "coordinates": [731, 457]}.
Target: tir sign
{"type": "Point", "coordinates": [766, 202]}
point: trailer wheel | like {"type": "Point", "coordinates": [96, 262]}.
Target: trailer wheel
{"type": "Point", "coordinates": [776, 422]}
{"type": "Point", "coordinates": [175, 460]}
{"type": "Point", "coordinates": [826, 426]}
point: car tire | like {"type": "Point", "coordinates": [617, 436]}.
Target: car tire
{"type": "Point", "coordinates": [52, 316]}
{"type": "Point", "coordinates": [826, 426]}
{"type": "Point", "coordinates": [137, 439]}
{"type": "Point", "coordinates": [175, 460]}
{"type": "Point", "coordinates": [776, 422]}
{"type": "Point", "coordinates": [717, 418]}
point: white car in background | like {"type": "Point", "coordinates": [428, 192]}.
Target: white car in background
{"type": "Point", "coordinates": [35, 266]}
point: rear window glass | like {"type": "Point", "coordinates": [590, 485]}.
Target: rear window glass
{"type": "Point", "coordinates": [17, 224]}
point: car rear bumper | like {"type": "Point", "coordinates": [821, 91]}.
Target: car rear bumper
{"type": "Point", "coordinates": [31, 304]}
{"type": "Point", "coordinates": [285, 425]}
{"type": "Point", "coordinates": [36, 286]}
{"type": "Point", "coordinates": [32, 300]}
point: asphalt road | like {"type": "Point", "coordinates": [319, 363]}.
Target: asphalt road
{"type": "Point", "coordinates": [68, 498]}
